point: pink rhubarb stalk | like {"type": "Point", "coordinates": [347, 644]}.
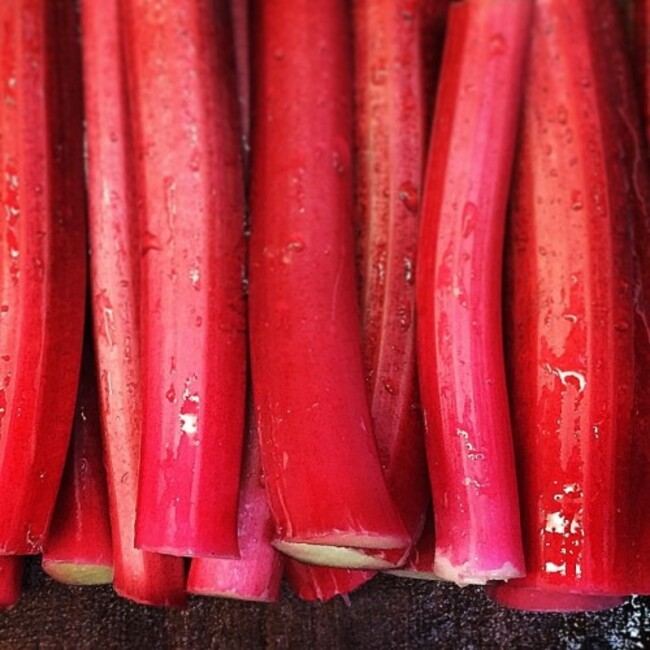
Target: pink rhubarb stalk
{"type": "Point", "coordinates": [321, 467]}
{"type": "Point", "coordinates": [390, 145]}
{"type": "Point", "coordinates": [240, 16]}
{"type": "Point", "coordinates": [11, 576]}
{"type": "Point", "coordinates": [42, 276]}
{"type": "Point", "coordinates": [77, 547]}
{"type": "Point", "coordinates": [257, 574]}
{"type": "Point", "coordinates": [115, 287]}
{"type": "Point", "coordinates": [420, 562]}
{"type": "Point", "coordinates": [322, 583]}
{"type": "Point", "coordinates": [577, 315]}
{"type": "Point", "coordinates": [540, 600]}
{"type": "Point", "coordinates": [190, 188]}
{"type": "Point", "coordinates": [460, 349]}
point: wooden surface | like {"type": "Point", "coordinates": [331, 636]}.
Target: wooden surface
{"type": "Point", "coordinates": [387, 613]}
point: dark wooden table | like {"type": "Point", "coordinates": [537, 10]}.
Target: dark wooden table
{"type": "Point", "coordinates": [386, 613]}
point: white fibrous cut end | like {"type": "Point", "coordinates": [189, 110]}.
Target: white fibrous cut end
{"type": "Point", "coordinates": [340, 557]}
{"type": "Point", "coordinates": [413, 574]}
{"type": "Point", "coordinates": [469, 574]}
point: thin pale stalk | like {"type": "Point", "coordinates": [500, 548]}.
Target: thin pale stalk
{"type": "Point", "coordinates": [115, 289]}
{"type": "Point", "coordinates": [460, 342]}
{"type": "Point", "coordinates": [77, 547]}
{"type": "Point", "coordinates": [389, 121]}
{"type": "Point", "coordinates": [257, 574]}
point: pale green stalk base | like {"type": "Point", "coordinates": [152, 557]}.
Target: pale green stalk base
{"type": "Point", "coordinates": [417, 575]}
{"type": "Point", "coordinates": [340, 557]}
{"type": "Point", "coordinates": [70, 573]}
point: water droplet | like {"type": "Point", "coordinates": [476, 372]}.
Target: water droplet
{"type": "Point", "coordinates": [409, 275]}
{"type": "Point", "coordinates": [404, 316]}
{"type": "Point", "coordinates": [295, 245]}
{"type": "Point", "coordinates": [150, 242]}
{"type": "Point", "coordinates": [195, 276]}
{"type": "Point", "coordinates": [408, 195]}
{"type": "Point", "coordinates": [621, 325]}
{"type": "Point", "coordinates": [576, 200]}
{"type": "Point", "coordinates": [470, 218]}
{"type": "Point", "coordinates": [337, 162]}
{"type": "Point", "coordinates": [497, 45]}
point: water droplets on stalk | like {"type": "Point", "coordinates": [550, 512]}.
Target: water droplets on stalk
{"type": "Point", "coordinates": [497, 45]}
{"type": "Point", "coordinates": [408, 195]}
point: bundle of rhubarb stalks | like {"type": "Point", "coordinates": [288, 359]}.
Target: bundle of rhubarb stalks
{"type": "Point", "coordinates": [312, 290]}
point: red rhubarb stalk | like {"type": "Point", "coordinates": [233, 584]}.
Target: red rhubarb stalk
{"type": "Point", "coordinates": [641, 25]}
{"type": "Point", "coordinates": [77, 547]}
{"type": "Point", "coordinates": [460, 351]}
{"type": "Point", "coordinates": [540, 600]}
{"type": "Point", "coordinates": [11, 575]}
{"type": "Point", "coordinates": [433, 28]}
{"type": "Point", "coordinates": [240, 16]}
{"type": "Point", "coordinates": [322, 471]}
{"type": "Point", "coordinates": [190, 186]}
{"type": "Point", "coordinates": [577, 318]}
{"type": "Point", "coordinates": [257, 574]}
{"type": "Point", "coordinates": [42, 276]}
{"type": "Point", "coordinates": [311, 582]}
{"type": "Point", "coordinates": [390, 145]}
{"type": "Point", "coordinates": [420, 562]}
{"type": "Point", "coordinates": [115, 279]}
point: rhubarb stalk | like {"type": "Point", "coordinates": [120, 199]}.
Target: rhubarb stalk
{"type": "Point", "coordinates": [321, 467]}
{"type": "Point", "coordinates": [190, 187]}
{"type": "Point", "coordinates": [641, 26]}
{"type": "Point", "coordinates": [576, 314]}
{"type": "Point", "coordinates": [115, 288]}
{"type": "Point", "coordinates": [460, 351]}
{"type": "Point", "coordinates": [420, 562]}
{"type": "Point", "coordinates": [42, 276]}
{"type": "Point", "coordinates": [11, 575]}
{"type": "Point", "coordinates": [77, 547]}
{"type": "Point", "coordinates": [323, 583]}
{"type": "Point", "coordinates": [240, 16]}
{"type": "Point", "coordinates": [433, 28]}
{"type": "Point", "coordinates": [257, 574]}
{"type": "Point", "coordinates": [540, 600]}
{"type": "Point", "coordinates": [390, 149]}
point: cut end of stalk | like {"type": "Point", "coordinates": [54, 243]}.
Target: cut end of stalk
{"type": "Point", "coordinates": [189, 552]}
{"type": "Point", "coordinates": [530, 599]}
{"type": "Point", "coordinates": [70, 573]}
{"type": "Point", "coordinates": [470, 574]}
{"type": "Point", "coordinates": [332, 556]}
{"type": "Point", "coordinates": [266, 597]}
{"type": "Point", "coordinates": [152, 599]}
{"type": "Point", "coordinates": [413, 574]}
